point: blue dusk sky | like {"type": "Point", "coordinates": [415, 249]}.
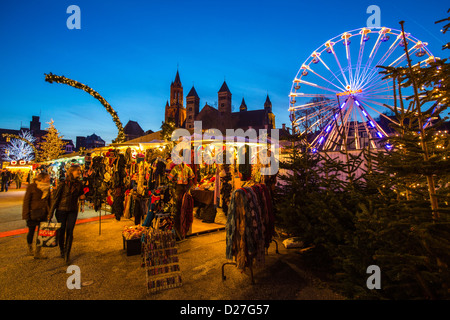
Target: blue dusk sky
{"type": "Point", "coordinates": [129, 52]}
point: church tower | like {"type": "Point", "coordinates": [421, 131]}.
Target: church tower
{"type": "Point", "coordinates": [192, 108]}
{"type": "Point", "coordinates": [243, 106]}
{"type": "Point", "coordinates": [270, 116]}
{"type": "Point", "coordinates": [224, 99]}
{"type": "Point", "coordinates": [175, 109]}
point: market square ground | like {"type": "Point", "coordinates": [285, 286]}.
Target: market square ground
{"type": "Point", "coordinates": [107, 273]}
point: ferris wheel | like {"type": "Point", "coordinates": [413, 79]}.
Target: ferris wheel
{"type": "Point", "coordinates": [338, 97]}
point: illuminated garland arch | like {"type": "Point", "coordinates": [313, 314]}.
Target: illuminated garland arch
{"type": "Point", "coordinates": [61, 79]}
{"type": "Point", "coordinates": [14, 136]}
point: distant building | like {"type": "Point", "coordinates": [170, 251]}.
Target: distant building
{"type": "Point", "coordinates": [221, 118]}
{"type": "Point", "coordinates": [89, 142]}
{"type": "Point", "coordinates": [35, 128]}
{"type": "Point", "coordinates": [69, 147]}
{"type": "Point", "coordinates": [133, 130]}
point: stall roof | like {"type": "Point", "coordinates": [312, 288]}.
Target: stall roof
{"type": "Point", "coordinates": [147, 138]}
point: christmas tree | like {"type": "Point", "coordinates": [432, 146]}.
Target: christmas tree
{"type": "Point", "coordinates": [395, 215]}
{"type": "Point", "coordinates": [402, 224]}
{"type": "Point", "coordinates": [53, 145]}
{"type": "Point", "coordinates": [19, 147]}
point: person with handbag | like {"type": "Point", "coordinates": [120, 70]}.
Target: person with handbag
{"type": "Point", "coordinates": [36, 205]}
{"type": "Point", "coordinates": [65, 208]}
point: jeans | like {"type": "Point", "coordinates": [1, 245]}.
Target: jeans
{"type": "Point", "coordinates": [31, 230]}
{"type": "Point", "coordinates": [67, 220]}
{"type": "Point", "coordinates": [4, 186]}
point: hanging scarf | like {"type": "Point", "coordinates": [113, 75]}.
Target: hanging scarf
{"type": "Point", "coordinates": [44, 187]}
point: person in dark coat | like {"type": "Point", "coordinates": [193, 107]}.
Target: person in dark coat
{"type": "Point", "coordinates": [1, 180]}
{"type": "Point", "coordinates": [6, 177]}
{"type": "Point", "coordinates": [18, 179]}
{"type": "Point", "coordinates": [36, 206]}
{"type": "Point", "coordinates": [65, 203]}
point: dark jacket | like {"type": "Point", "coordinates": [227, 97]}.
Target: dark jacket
{"type": "Point", "coordinates": [34, 208]}
{"type": "Point", "coordinates": [66, 196]}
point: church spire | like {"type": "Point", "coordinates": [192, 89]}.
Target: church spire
{"type": "Point", "coordinates": [268, 104]}
{"type": "Point", "coordinates": [243, 106]}
{"type": "Point", "coordinates": [177, 78]}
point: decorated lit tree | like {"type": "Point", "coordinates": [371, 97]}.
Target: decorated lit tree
{"type": "Point", "coordinates": [53, 145]}
{"type": "Point", "coordinates": [167, 129]}
{"type": "Point", "coordinates": [403, 222]}
{"type": "Point", "coordinates": [19, 147]}
{"type": "Point", "coordinates": [396, 215]}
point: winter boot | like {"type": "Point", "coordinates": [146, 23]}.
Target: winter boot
{"type": "Point", "coordinates": [67, 248]}
{"type": "Point", "coordinates": [30, 250]}
{"type": "Point", "coordinates": [38, 254]}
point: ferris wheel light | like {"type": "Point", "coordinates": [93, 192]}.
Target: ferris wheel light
{"type": "Point", "coordinates": [329, 46]}
{"type": "Point", "coordinates": [379, 134]}
{"type": "Point", "coordinates": [364, 34]}
{"type": "Point", "coordinates": [371, 124]}
{"type": "Point", "coordinates": [365, 31]}
{"type": "Point", "coordinates": [364, 113]}
{"type": "Point", "coordinates": [346, 35]}
{"type": "Point", "coordinates": [328, 129]}
{"type": "Point", "coordinates": [321, 139]}
{"type": "Point", "coordinates": [357, 103]}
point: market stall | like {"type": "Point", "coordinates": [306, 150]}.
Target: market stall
{"type": "Point", "coordinates": [140, 182]}
{"type": "Point", "coordinates": [20, 171]}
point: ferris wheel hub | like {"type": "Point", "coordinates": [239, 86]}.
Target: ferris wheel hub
{"type": "Point", "coordinates": [349, 92]}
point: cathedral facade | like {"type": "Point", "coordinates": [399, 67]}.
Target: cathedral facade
{"type": "Point", "coordinates": [222, 117]}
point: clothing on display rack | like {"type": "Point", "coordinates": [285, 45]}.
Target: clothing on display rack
{"type": "Point", "coordinates": [249, 226]}
{"type": "Point", "coordinates": [183, 176]}
{"type": "Point", "coordinates": [157, 203]}
{"type": "Point", "coordinates": [187, 216]}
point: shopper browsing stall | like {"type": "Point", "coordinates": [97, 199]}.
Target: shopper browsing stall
{"type": "Point", "coordinates": [36, 205]}
{"type": "Point", "coordinates": [68, 193]}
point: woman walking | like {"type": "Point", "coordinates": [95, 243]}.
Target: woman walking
{"type": "Point", "coordinates": [36, 206]}
{"type": "Point", "coordinates": [68, 193]}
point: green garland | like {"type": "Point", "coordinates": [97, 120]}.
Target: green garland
{"type": "Point", "coordinates": [61, 79]}
{"type": "Point", "coordinates": [14, 136]}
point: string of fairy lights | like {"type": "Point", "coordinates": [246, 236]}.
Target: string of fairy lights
{"type": "Point", "coordinates": [63, 80]}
